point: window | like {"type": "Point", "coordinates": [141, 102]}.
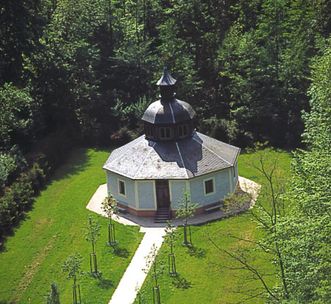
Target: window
{"type": "Point", "coordinates": [165, 132]}
{"type": "Point", "coordinates": [209, 186]}
{"type": "Point", "coordinates": [121, 187]}
{"type": "Point", "coordinates": [182, 130]}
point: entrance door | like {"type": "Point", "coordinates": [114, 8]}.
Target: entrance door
{"type": "Point", "coordinates": [162, 193]}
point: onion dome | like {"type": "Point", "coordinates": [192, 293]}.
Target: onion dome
{"type": "Point", "coordinates": [168, 118]}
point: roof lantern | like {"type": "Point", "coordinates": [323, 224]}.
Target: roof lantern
{"type": "Point", "coordinates": [169, 118]}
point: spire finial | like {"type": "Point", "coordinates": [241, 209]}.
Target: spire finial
{"type": "Point", "coordinates": [166, 79]}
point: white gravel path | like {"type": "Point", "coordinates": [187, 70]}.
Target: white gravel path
{"type": "Point", "coordinates": [134, 275]}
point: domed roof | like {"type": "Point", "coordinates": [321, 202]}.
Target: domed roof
{"type": "Point", "coordinates": [170, 112]}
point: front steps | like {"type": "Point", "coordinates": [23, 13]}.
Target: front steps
{"type": "Point", "coordinates": [162, 215]}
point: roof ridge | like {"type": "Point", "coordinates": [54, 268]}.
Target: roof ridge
{"type": "Point", "coordinates": [181, 158]}
{"type": "Point", "coordinates": [229, 145]}
{"type": "Point", "coordinates": [212, 151]}
{"type": "Point", "coordinates": [172, 113]}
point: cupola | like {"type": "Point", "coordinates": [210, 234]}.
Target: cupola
{"type": "Point", "coordinates": [169, 118]}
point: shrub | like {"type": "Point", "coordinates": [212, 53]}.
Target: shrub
{"type": "Point", "coordinates": [18, 198]}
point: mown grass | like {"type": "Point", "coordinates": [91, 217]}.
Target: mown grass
{"type": "Point", "coordinates": [207, 273]}
{"type": "Point", "coordinates": [55, 229]}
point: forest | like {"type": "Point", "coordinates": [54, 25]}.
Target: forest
{"type": "Point", "coordinates": [82, 72]}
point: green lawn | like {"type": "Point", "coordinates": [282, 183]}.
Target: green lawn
{"type": "Point", "coordinates": [212, 276]}
{"type": "Point", "coordinates": [55, 229]}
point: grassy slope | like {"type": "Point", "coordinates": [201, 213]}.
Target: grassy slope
{"type": "Point", "coordinates": [54, 230]}
{"type": "Point", "coordinates": [208, 272]}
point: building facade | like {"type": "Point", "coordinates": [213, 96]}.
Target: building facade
{"type": "Point", "coordinates": [151, 173]}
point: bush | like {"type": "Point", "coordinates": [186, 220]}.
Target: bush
{"type": "Point", "coordinates": [122, 136]}
{"type": "Point", "coordinates": [221, 129]}
{"type": "Point", "coordinates": [18, 198]}
{"type": "Point", "coordinates": [12, 163]}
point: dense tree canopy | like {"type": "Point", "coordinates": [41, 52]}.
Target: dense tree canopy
{"type": "Point", "coordinates": [306, 232]}
{"type": "Point", "coordinates": [244, 66]}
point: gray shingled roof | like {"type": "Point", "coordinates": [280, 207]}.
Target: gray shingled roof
{"type": "Point", "coordinates": [171, 112]}
{"type": "Point", "coordinates": [182, 159]}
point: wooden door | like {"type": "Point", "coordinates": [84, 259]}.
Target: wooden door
{"type": "Point", "coordinates": [162, 193]}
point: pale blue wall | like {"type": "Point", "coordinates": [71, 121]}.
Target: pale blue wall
{"type": "Point", "coordinates": [146, 195]}
{"type": "Point", "coordinates": [112, 184]}
{"type": "Point", "coordinates": [222, 187]}
{"type": "Point", "coordinates": [177, 188]}
{"type": "Point", "coordinates": [225, 182]}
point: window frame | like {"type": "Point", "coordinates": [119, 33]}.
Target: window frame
{"type": "Point", "coordinates": [212, 179]}
{"type": "Point", "coordinates": [182, 130]}
{"type": "Point", "coordinates": [119, 181]}
{"type": "Point", "coordinates": [165, 131]}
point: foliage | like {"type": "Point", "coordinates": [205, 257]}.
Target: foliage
{"type": "Point", "coordinates": [92, 232]}
{"type": "Point", "coordinates": [18, 198]}
{"type": "Point", "coordinates": [265, 67]}
{"type": "Point", "coordinates": [185, 210]}
{"type": "Point", "coordinates": [16, 116]}
{"type": "Point", "coordinates": [72, 266]}
{"type": "Point", "coordinates": [109, 207]}
{"type": "Point", "coordinates": [157, 269]}
{"type": "Point", "coordinates": [89, 66]}
{"type": "Point", "coordinates": [54, 296]}
{"type": "Point", "coordinates": [170, 237]}
{"type": "Point", "coordinates": [12, 162]}
{"type": "Point", "coordinates": [305, 242]}
{"type": "Point", "coordinates": [236, 202]}
{"type": "Point", "coordinates": [22, 23]}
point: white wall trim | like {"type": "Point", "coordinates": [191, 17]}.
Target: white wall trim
{"type": "Point", "coordinates": [170, 191]}
{"type": "Point", "coordinates": [136, 194]}
{"type": "Point", "coordinates": [154, 194]}
{"type": "Point", "coordinates": [230, 173]}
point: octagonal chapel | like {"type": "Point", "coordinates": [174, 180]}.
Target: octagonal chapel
{"type": "Point", "coordinates": [149, 175]}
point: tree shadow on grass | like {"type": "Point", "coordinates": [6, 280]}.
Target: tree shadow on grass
{"type": "Point", "coordinates": [121, 252]}
{"type": "Point", "coordinates": [180, 282]}
{"type": "Point", "coordinates": [78, 160]}
{"type": "Point", "coordinates": [196, 252]}
{"type": "Point", "coordinates": [104, 283]}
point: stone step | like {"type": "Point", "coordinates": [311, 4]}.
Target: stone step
{"type": "Point", "coordinates": [162, 215]}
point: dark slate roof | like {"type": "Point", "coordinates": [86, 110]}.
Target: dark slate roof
{"type": "Point", "coordinates": [182, 159]}
{"type": "Point", "coordinates": [171, 112]}
{"type": "Point", "coordinates": [166, 79]}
